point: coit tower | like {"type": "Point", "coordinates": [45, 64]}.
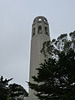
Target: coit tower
{"type": "Point", "coordinates": [40, 34]}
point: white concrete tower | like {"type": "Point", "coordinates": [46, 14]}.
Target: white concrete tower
{"type": "Point", "coordinates": [40, 34]}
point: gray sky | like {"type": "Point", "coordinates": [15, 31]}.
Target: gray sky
{"type": "Point", "coordinates": [16, 18]}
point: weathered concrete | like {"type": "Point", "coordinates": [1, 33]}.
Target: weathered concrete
{"type": "Point", "coordinates": [40, 34]}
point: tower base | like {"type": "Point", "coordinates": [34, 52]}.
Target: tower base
{"type": "Point", "coordinates": [31, 98]}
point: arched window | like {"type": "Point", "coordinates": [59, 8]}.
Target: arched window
{"type": "Point", "coordinates": [40, 29]}
{"type": "Point", "coordinates": [46, 30]}
{"type": "Point", "coordinates": [33, 31]}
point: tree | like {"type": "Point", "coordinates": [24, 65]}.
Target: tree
{"type": "Point", "coordinates": [11, 91]}
{"type": "Point", "coordinates": [56, 77]}
{"type": "Point", "coordinates": [4, 90]}
{"type": "Point", "coordinates": [17, 92]}
{"type": "Point", "coordinates": [62, 43]}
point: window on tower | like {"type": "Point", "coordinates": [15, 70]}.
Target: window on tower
{"type": "Point", "coordinates": [40, 19]}
{"type": "Point", "coordinates": [46, 31]}
{"type": "Point", "coordinates": [40, 29]}
{"type": "Point", "coordinates": [33, 31]}
{"type": "Point", "coordinates": [45, 20]}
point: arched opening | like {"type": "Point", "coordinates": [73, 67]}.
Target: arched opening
{"type": "Point", "coordinates": [39, 19]}
{"type": "Point", "coordinates": [33, 31]}
{"type": "Point", "coordinates": [45, 20]}
{"type": "Point", "coordinates": [40, 29]}
{"type": "Point", "coordinates": [46, 31]}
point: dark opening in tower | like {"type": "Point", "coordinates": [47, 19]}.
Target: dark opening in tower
{"type": "Point", "coordinates": [46, 31]}
{"type": "Point", "coordinates": [33, 31]}
{"type": "Point", "coordinates": [40, 29]}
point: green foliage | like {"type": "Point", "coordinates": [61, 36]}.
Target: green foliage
{"type": "Point", "coordinates": [12, 91]}
{"type": "Point", "coordinates": [16, 91]}
{"type": "Point", "coordinates": [62, 43]}
{"type": "Point", "coordinates": [62, 36]}
{"type": "Point", "coordinates": [56, 76]}
{"type": "Point", "coordinates": [4, 90]}
{"type": "Point", "coordinates": [46, 48]}
{"type": "Point", "coordinates": [72, 35]}
{"type": "Point", "coordinates": [56, 79]}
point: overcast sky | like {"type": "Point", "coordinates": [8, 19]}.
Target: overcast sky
{"type": "Point", "coordinates": [16, 18]}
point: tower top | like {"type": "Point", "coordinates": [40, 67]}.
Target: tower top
{"type": "Point", "coordinates": [40, 26]}
{"type": "Point", "coordinates": [40, 19]}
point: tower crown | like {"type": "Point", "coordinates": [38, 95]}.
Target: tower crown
{"type": "Point", "coordinates": [40, 19]}
{"type": "Point", "coordinates": [40, 26]}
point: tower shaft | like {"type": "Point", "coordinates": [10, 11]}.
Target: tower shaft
{"type": "Point", "coordinates": [40, 34]}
